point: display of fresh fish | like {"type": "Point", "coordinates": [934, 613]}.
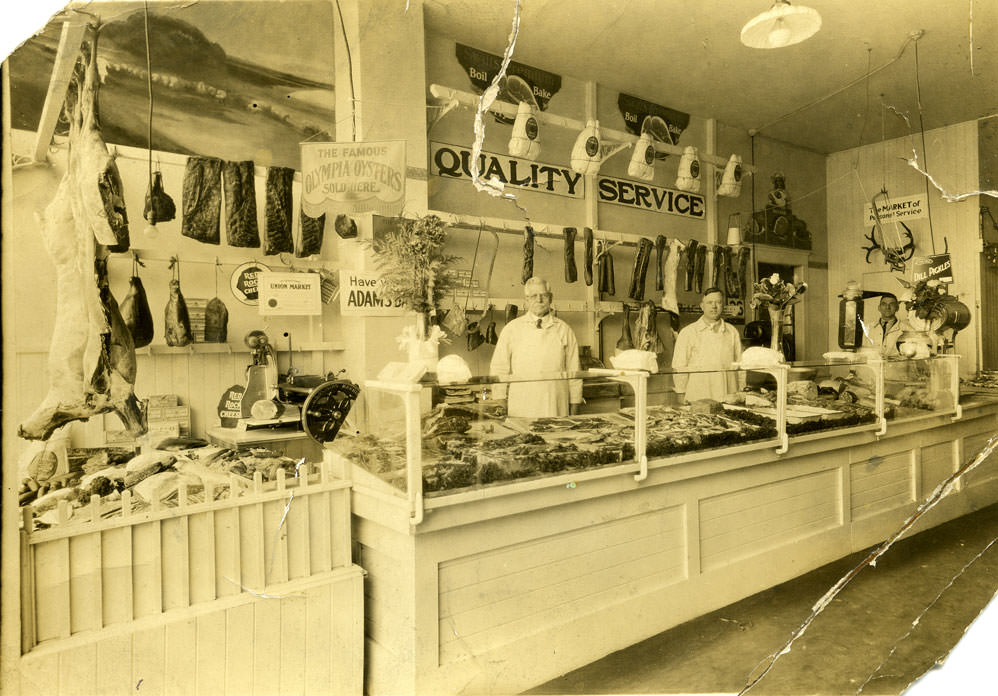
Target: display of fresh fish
{"type": "Point", "coordinates": [91, 360]}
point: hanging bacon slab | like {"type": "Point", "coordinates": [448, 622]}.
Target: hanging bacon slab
{"type": "Point", "coordinates": [91, 365]}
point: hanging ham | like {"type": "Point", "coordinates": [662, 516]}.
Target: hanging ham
{"type": "Point", "coordinates": [136, 314]}
{"type": "Point", "coordinates": [178, 319]}
{"type": "Point", "coordinates": [91, 361]}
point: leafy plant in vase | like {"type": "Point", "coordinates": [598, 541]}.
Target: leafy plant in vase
{"type": "Point", "coordinates": [413, 272]}
{"type": "Point", "coordinates": [775, 295]}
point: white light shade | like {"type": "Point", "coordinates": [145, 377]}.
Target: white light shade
{"type": "Point", "coordinates": [781, 25]}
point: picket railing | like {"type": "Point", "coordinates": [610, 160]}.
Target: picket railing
{"type": "Point", "coordinates": [102, 567]}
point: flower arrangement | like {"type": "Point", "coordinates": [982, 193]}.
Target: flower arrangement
{"type": "Point", "coordinates": [413, 266]}
{"type": "Point", "coordinates": [776, 295]}
{"type": "Point", "coordinates": [774, 292]}
{"type": "Point", "coordinates": [924, 298]}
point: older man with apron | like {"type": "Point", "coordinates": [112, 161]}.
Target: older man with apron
{"type": "Point", "coordinates": [536, 344]}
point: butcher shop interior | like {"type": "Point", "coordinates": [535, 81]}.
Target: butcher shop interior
{"type": "Point", "coordinates": [451, 346]}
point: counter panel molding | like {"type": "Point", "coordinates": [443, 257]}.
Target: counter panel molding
{"type": "Point", "coordinates": [880, 483]}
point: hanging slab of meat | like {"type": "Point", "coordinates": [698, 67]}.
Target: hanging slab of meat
{"type": "Point", "coordinates": [691, 262]}
{"type": "Point", "coordinates": [640, 270]}
{"type": "Point", "coordinates": [717, 268]}
{"type": "Point", "coordinates": [587, 240]}
{"type": "Point", "coordinates": [648, 337]}
{"type": "Point", "coordinates": [136, 314]}
{"type": "Point", "coordinates": [202, 199]}
{"type": "Point", "coordinates": [216, 322]}
{"type": "Point", "coordinates": [178, 320]}
{"type": "Point", "coordinates": [669, 300]}
{"type": "Point", "coordinates": [660, 250]}
{"type": "Point", "coordinates": [91, 361]}
{"type": "Point", "coordinates": [571, 273]}
{"type": "Point", "coordinates": [698, 267]}
{"type": "Point", "coordinates": [742, 262]}
{"type": "Point", "coordinates": [159, 206]}
{"type": "Point", "coordinates": [278, 231]}
{"type": "Point", "coordinates": [312, 230]}
{"type": "Point", "coordinates": [528, 254]}
{"type": "Point", "coordinates": [625, 342]}
{"type": "Point", "coordinates": [731, 272]}
{"type": "Point", "coordinates": [241, 229]}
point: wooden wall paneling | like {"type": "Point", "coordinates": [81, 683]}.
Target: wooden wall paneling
{"type": "Point", "coordinates": [322, 536]}
{"type": "Point", "coordinates": [938, 463]}
{"type": "Point", "coordinates": [85, 590]}
{"type": "Point", "coordinates": [196, 397]}
{"type": "Point", "coordinates": [297, 530]}
{"type": "Point", "coordinates": [77, 671]}
{"type": "Point", "coordinates": [210, 655]}
{"type": "Point", "coordinates": [319, 655]}
{"type": "Point", "coordinates": [52, 593]}
{"type": "Point", "coordinates": [881, 483]}
{"type": "Point", "coordinates": [986, 470]}
{"type": "Point", "coordinates": [180, 658]}
{"type": "Point", "coordinates": [347, 605]}
{"type": "Point", "coordinates": [275, 541]}
{"type": "Point", "coordinates": [114, 665]}
{"type": "Point", "coordinates": [176, 563]}
{"type": "Point", "coordinates": [147, 569]}
{"type": "Point", "coordinates": [39, 674]}
{"type": "Point", "coordinates": [238, 652]}
{"type": "Point", "coordinates": [293, 627]}
{"type": "Point", "coordinates": [202, 556]}
{"type": "Point", "coordinates": [149, 661]}
{"type": "Point", "coordinates": [266, 646]}
{"type": "Point", "coordinates": [116, 575]}
{"type": "Point", "coordinates": [341, 535]}
{"type": "Point", "coordinates": [252, 551]}
{"type": "Point", "coordinates": [228, 568]}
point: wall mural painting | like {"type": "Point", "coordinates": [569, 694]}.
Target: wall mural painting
{"type": "Point", "coordinates": [235, 80]}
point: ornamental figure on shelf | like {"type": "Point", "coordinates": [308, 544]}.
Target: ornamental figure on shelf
{"type": "Point", "coordinates": [776, 295]}
{"type": "Point", "coordinates": [778, 197]}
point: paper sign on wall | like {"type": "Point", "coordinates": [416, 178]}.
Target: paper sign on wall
{"type": "Point", "coordinates": [360, 295]}
{"type": "Point", "coordinates": [290, 294]}
{"type": "Point", "coordinates": [353, 177]}
{"type": "Point", "coordinates": [900, 209]}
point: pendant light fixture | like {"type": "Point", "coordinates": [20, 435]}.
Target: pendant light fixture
{"type": "Point", "coordinates": [781, 25]}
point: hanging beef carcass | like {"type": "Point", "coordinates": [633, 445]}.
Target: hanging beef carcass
{"type": "Point", "coordinates": [91, 361]}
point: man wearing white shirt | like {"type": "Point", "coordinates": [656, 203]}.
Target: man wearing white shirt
{"type": "Point", "coordinates": [885, 333]}
{"type": "Point", "coordinates": [709, 343]}
{"type": "Point", "coordinates": [534, 344]}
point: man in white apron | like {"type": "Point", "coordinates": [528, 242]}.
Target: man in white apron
{"type": "Point", "coordinates": [534, 344]}
{"type": "Point", "coordinates": [709, 343]}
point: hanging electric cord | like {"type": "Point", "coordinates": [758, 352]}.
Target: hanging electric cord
{"type": "Point", "coordinates": [913, 36]}
{"type": "Point", "coordinates": [925, 162]}
{"type": "Point", "coordinates": [353, 94]}
{"type": "Point", "coordinates": [149, 85]}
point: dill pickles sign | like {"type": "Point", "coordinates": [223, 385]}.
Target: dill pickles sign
{"type": "Point", "coordinates": [353, 177]}
{"type": "Point", "coordinates": [360, 295]}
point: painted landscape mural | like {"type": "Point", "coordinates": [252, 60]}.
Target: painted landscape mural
{"type": "Point", "coordinates": [235, 80]}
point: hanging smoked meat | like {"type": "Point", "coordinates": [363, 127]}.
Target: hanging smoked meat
{"type": "Point", "coordinates": [661, 251]}
{"type": "Point", "coordinates": [312, 230]}
{"type": "Point", "coordinates": [241, 229]}
{"type": "Point", "coordinates": [587, 241]}
{"type": "Point", "coordinates": [571, 274]}
{"type": "Point", "coordinates": [136, 314]}
{"type": "Point", "coordinates": [690, 256]}
{"type": "Point", "coordinates": [528, 254]}
{"type": "Point", "coordinates": [91, 361]}
{"type": "Point", "coordinates": [216, 322]}
{"type": "Point", "coordinates": [699, 265]}
{"type": "Point", "coordinates": [159, 206]}
{"type": "Point", "coordinates": [625, 342]}
{"type": "Point", "coordinates": [202, 201]}
{"type": "Point", "coordinates": [278, 211]}
{"type": "Point", "coordinates": [178, 320]}
{"type": "Point", "coordinates": [640, 270]}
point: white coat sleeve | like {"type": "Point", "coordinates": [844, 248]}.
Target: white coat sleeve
{"type": "Point", "coordinates": [501, 365]}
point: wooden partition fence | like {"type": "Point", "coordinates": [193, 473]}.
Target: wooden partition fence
{"type": "Point", "coordinates": [106, 575]}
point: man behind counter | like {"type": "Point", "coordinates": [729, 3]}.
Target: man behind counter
{"type": "Point", "coordinates": [885, 333]}
{"type": "Point", "coordinates": [708, 343]}
{"type": "Point", "coordinates": [532, 344]}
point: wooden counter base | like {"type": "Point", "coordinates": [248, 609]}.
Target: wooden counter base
{"type": "Point", "coordinates": [506, 591]}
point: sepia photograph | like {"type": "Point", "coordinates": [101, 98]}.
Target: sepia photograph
{"type": "Point", "coordinates": [318, 377]}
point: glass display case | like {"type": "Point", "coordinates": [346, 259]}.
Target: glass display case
{"type": "Point", "coordinates": [482, 436]}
